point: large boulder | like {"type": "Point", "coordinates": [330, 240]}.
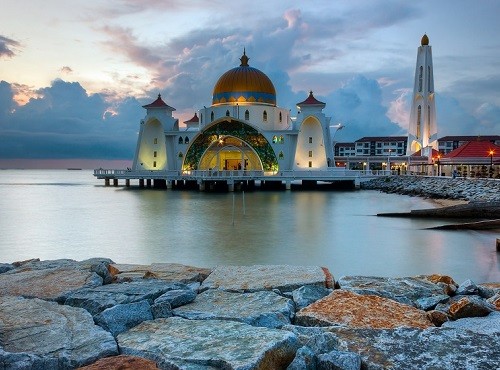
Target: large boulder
{"type": "Point", "coordinates": [122, 317]}
{"type": "Point", "coordinates": [122, 362]}
{"type": "Point", "coordinates": [50, 283]}
{"type": "Point", "coordinates": [97, 299]}
{"type": "Point", "coordinates": [43, 334]}
{"type": "Point", "coordinates": [170, 272]}
{"type": "Point", "coordinates": [489, 325]}
{"type": "Point", "coordinates": [209, 344]}
{"type": "Point", "coordinates": [305, 295]}
{"type": "Point", "coordinates": [407, 290]}
{"type": "Point", "coordinates": [470, 306]}
{"type": "Point", "coordinates": [409, 348]}
{"type": "Point", "coordinates": [262, 308]}
{"type": "Point", "coordinates": [346, 308]}
{"type": "Point", "coordinates": [285, 278]}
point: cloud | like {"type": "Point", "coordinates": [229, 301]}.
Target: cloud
{"type": "Point", "coordinates": [8, 47]}
{"type": "Point", "coordinates": [66, 122]}
{"type": "Point", "coordinates": [66, 70]}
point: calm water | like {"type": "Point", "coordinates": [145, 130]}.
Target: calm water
{"type": "Point", "coordinates": [69, 214]}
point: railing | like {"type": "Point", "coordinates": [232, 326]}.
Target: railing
{"type": "Point", "coordinates": [329, 173]}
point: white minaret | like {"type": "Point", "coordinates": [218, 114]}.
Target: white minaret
{"type": "Point", "coordinates": [422, 130]}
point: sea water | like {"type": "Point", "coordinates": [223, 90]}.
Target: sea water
{"type": "Point", "coordinates": [51, 214]}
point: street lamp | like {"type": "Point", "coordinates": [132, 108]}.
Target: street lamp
{"type": "Point", "coordinates": [337, 127]}
{"type": "Point", "coordinates": [491, 162]}
{"type": "Point", "coordinates": [439, 172]}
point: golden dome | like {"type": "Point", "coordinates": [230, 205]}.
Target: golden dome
{"type": "Point", "coordinates": [425, 40]}
{"type": "Point", "coordinates": [244, 84]}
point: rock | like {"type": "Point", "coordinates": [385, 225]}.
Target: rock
{"type": "Point", "coordinates": [445, 282]}
{"type": "Point", "coordinates": [45, 335]}
{"type": "Point", "coordinates": [170, 272]}
{"type": "Point", "coordinates": [339, 360]}
{"type": "Point", "coordinates": [467, 287]}
{"type": "Point", "coordinates": [407, 290]}
{"type": "Point", "coordinates": [262, 308]}
{"type": "Point", "coordinates": [409, 348]}
{"type": "Point", "coordinates": [494, 286]}
{"type": "Point", "coordinates": [177, 297]}
{"type": "Point", "coordinates": [470, 306]}
{"type": "Point", "coordinates": [488, 325]}
{"type": "Point", "coordinates": [485, 292]}
{"type": "Point", "coordinates": [438, 318]}
{"type": "Point", "coordinates": [343, 307]}
{"type": "Point", "coordinates": [121, 363]}
{"type": "Point", "coordinates": [122, 317]}
{"type": "Point", "coordinates": [317, 339]}
{"type": "Point", "coordinates": [50, 283]}
{"type": "Point", "coordinates": [495, 301]}
{"type": "Point", "coordinates": [266, 277]}
{"type": "Point", "coordinates": [95, 300]}
{"type": "Point", "coordinates": [428, 303]}
{"type": "Point", "coordinates": [304, 360]}
{"type": "Point", "coordinates": [209, 343]}
{"type": "Point", "coordinates": [4, 267]}
{"type": "Point", "coordinates": [161, 309]}
{"type": "Point", "coordinates": [305, 295]}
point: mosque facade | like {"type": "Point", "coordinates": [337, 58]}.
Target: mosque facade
{"type": "Point", "coordinates": [243, 129]}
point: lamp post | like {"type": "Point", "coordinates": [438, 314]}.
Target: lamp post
{"type": "Point", "coordinates": [337, 127]}
{"type": "Point", "coordinates": [491, 162]}
{"type": "Point", "coordinates": [439, 172]}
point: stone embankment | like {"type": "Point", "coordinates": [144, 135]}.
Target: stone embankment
{"type": "Point", "coordinates": [96, 314]}
{"type": "Point", "coordinates": [486, 190]}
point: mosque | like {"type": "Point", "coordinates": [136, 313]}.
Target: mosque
{"type": "Point", "coordinates": [243, 129]}
{"type": "Point", "coordinates": [244, 136]}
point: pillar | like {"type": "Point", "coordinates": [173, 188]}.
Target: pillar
{"type": "Point", "coordinates": [115, 182]}
{"type": "Point", "coordinates": [288, 185]}
{"type": "Point", "coordinates": [127, 183]}
{"type": "Point", "coordinates": [106, 181]}
{"type": "Point", "coordinates": [141, 183]}
{"type": "Point", "coordinates": [148, 183]}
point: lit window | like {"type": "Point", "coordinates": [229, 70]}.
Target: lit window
{"type": "Point", "coordinates": [310, 140]}
{"type": "Point", "coordinates": [310, 164]}
{"type": "Point", "coordinates": [281, 139]}
{"type": "Point", "coordinates": [275, 139]}
{"type": "Point", "coordinates": [186, 140]}
{"type": "Point", "coordinates": [247, 115]}
{"type": "Point", "coordinates": [264, 116]}
{"type": "Point", "coordinates": [310, 154]}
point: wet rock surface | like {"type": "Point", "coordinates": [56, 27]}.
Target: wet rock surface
{"type": "Point", "coordinates": [484, 190]}
{"type": "Point", "coordinates": [99, 314]}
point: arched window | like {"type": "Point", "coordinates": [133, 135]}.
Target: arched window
{"type": "Point", "coordinates": [247, 115]}
{"type": "Point", "coordinates": [264, 116]}
{"type": "Point", "coordinates": [429, 79]}
{"type": "Point", "coordinates": [212, 116]}
{"type": "Point", "coordinates": [227, 113]}
{"type": "Point", "coordinates": [421, 71]}
{"type": "Point", "coordinates": [281, 156]}
{"type": "Point", "coordinates": [180, 140]}
{"type": "Point", "coordinates": [201, 117]}
{"type": "Point", "coordinates": [429, 120]}
{"type": "Point", "coordinates": [180, 155]}
{"type": "Point", "coordinates": [419, 120]}
{"type": "Point", "coordinates": [275, 139]}
{"type": "Point", "coordinates": [186, 140]}
{"type": "Point", "coordinates": [281, 139]}
{"type": "Point", "coordinates": [280, 117]}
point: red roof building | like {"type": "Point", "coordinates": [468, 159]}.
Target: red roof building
{"type": "Point", "coordinates": [473, 152]}
{"type": "Point", "coordinates": [159, 103]}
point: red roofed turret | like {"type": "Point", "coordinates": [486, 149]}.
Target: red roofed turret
{"type": "Point", "coordinates": [311, 101]}
{"type": "Point", "coordinates": [159, 103]}
{"type": "Point", "coordinates": [194, 119]}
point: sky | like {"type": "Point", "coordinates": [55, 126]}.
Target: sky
{"type": "Point", "coordinates": [74, 75]}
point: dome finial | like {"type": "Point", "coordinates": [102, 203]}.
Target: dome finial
{"type": "Point", "coordinates": [244, 59]}
{"type": "Point", "coordinates": [425, 40]}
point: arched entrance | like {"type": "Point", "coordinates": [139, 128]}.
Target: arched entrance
{"type": "Point", "coordinates": [230, 153]}
{"type": "Point", "coordinates": [226, 142]}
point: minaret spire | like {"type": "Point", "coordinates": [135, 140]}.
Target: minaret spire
{"type": "Point", "coordinates": [422, 128]}
{"type": "Point", "coordinates": [244, 59]}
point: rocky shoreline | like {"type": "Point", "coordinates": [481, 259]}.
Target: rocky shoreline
{"type": "Point", "coordinates": [484, 190]}
{"type": "Point", "coordinates": [96, 314]}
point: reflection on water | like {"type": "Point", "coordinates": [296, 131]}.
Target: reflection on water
{"type": "Point", "coordinates": [44, 217]}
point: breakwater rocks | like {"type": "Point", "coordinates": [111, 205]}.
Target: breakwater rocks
{"type": "Point", "coordinates": [438, 187]}
{"type": "Point", "coordinates": [96, 314]}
